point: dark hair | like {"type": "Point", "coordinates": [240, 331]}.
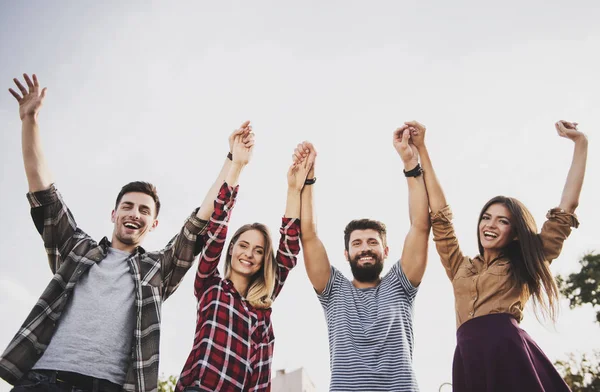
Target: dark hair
{"type": "Point", "coordinates": [364, 224]}
{"type": "Point", "coordinates": [529, 267]}
{"type": "Point", "coordinates": [142, 187]}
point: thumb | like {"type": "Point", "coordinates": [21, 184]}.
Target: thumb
{"type": "Point", "coordinates": [405, 137]}
{"type": "Point", "coordinates": [43, 95]}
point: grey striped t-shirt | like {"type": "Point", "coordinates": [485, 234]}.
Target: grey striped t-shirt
{"type": "Point", "coordinates": [370, 333]}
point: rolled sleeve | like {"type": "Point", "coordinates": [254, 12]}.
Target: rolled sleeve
{"type": "Point", "coordinates": [43, 198]}
{"type": "Point", "coordinates": [555, 231]}
{"type": "Point", "coordinates": [445, 240]}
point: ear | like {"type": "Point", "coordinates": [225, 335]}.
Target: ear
{"type": "Point", "coordinates": [113, 216]}
{"type": "Point", "coordinates": [346, 255]}
{"type": "Point", "coordinates": [154, 225]}
{"type": "Point", "coordinates": [386, 252]}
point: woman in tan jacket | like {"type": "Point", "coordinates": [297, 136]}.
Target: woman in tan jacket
{"type": "Point", "coordinates": [493, 353]}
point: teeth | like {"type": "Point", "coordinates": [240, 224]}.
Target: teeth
{"type": "Point", "coordinates": [490, 234]}
{"type": "Point", "coordinates": [245, 262]}
{"type": "Point", "coordinates": [131, 225]}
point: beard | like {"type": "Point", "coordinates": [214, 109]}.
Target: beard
{"type": "Point", "coordinates": [368, 272]}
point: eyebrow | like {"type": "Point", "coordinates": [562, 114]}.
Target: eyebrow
{"type": "Point", "coordinates": [257, 246]}
{"type": "Point", "coordinates": [499, 216]}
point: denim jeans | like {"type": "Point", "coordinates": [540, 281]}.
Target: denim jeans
{"type": "Point", "coordinates": [46, 381]}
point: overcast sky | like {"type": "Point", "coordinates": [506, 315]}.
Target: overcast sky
{"type": "Point", "coordinates": [151, 91]}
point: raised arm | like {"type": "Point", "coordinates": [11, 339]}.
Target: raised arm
{"type": "Point", "coordinates": [316, 261]}
{"type": "Point", "coordinates": [570, 195]}
{"type": "Point", "coordinates": [216, 233]}
{"type": "Point", "coordinates": [30, 102]}
{"type": "Point", "coordinates": [414, 254]}
{"type": "Point", "coordinates": [198, 235]}
{"type": "Point", "coordinates": [245, 131]}
{"type": "Point", "coordinates": [289, 243]}
{"type": "Point", "coordinates": [560, 220]}
{"type": "Point", "coordinates": [441, 215]}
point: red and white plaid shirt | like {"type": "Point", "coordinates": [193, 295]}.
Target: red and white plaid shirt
{"type": "Point", "coordinates": [233, 343]}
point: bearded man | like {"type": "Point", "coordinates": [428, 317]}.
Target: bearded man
{"type": "Point", "coordinates": [370, 319]}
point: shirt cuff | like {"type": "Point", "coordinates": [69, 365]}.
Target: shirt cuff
{"type": "Point", "coordinates": [566, 218]}
{"type": "Point", "coordinates": [195, 225]}
{"type": "Point", "coordinates": [443, 215]}
{"type": "Point", "coordinates": [42, 198]}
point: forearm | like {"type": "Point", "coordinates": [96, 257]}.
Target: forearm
{"type": "Point", "coordinates": [308, 224]}
{"type": "Point", "coordinates": [418, 205]}
{"type": "Point", "coordinates": [570, 196]}
{"type": "Point", "coordinates": [36, 168]}
{"type": "Point", "coordinates": [292, 205]}
{"type": "Point", "coordinates": [435, 194]}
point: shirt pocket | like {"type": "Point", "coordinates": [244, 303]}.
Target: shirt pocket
{"type": "Point", "coordinates": [499, 277]}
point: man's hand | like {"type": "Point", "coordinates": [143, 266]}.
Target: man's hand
{"type": "Point", "coordinates": [569, 130]}
{"type": "Point", "coordinates": [407, 151]}
{"type": "Point", "coordinates": [298, 172]}
{"type": "Point", "coordinates": [245, 130]}
{"type": "Point", "coordinates": [417, 133]}
{"type": "Point", "coordinates": [242, 147]}
{"type": "Point", "coordinates": [305, 152]}
{"type": "Point", "coordinates": [31, 100]}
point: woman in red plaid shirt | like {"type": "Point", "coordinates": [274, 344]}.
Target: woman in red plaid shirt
{"type": "Point", "coordinates": [233, 343]}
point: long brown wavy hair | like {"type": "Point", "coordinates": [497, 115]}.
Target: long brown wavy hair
{"type": "Point", "coordinates": [262, 283]}
{"type": "Point", "coordinates": [530, 270]}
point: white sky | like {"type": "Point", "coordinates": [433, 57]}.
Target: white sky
{"type": "Point", "coordinates": [151, 92]}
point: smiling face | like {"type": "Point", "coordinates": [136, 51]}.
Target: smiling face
{"type": "Point", "coordinates": [247, 253]}
{"type": "Point", "coordinates": [495, 229]}
{"type": "Point", "coordinates": [366, 254]}
{"type": "Point", "coordinates": [133, 218]}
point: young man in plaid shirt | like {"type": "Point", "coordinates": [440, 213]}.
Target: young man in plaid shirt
{"type": "Point", "coordinates": [96, 326]}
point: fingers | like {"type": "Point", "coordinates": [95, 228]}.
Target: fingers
{"type": "Point", "coordinates": [405, 137]}
{"type": "Point", "coordinates": [29, 82]}
{"type": "Point", "coordinates": [43, 95]}
{"type": "Point", "coordinates": [15, 94]}
{"type": "Point", "coordinates": [35, 81]}
{"type": "Point", "coordinates": [20, 86]}
{"type": "Point", "coordinates": [415, 124]}
{"type": "Point", "coordinates": [400, 131]}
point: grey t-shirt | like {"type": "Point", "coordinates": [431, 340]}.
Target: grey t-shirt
{"type": "Point", "coordinates": [370, 333]}
{"type": "Point", "coordinates": [95, 333]}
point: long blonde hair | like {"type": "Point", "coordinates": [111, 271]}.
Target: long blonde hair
{"type": "Point", "coordinates": [262, 283]}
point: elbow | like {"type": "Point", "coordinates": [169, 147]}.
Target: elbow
{"type": "Point", "coordinates": [421, 225]}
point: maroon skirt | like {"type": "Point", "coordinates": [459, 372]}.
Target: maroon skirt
{"type": "Point", "coordinates": [494, 355]}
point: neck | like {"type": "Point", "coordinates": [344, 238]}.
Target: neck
{"type": "Point", "coordinates": [366, 285]}
{"type": "Point", "coordinates": [490, 255]}
{"type": "Point", "coordinates": [115, 243]}
{"type": "Point", "coordinates": [240, 283]}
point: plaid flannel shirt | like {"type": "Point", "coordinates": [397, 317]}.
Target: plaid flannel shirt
{"type": "Point", "coordinates": [233, 342]}
{"type": "Point", "coordinates": [71, 252]}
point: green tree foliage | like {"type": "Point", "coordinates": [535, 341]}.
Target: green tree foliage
{"type": "Point", "coordinates": [167, 384]}
{"type": "Point", "coordinates": [581, 374]}
{"type": "Point", "coordinates": [583, 287]}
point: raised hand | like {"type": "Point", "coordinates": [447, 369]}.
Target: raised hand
{"type": "Point", "coordinates": [245, 130]}
{"type": "Point", "coordinates": [407, 151]}
{"type": "Point", "coordinates": [242, 145]}
{"type": "Point", "coordinates": [568, 130]}
{"type": "Point", "coordinates": [303, 161]}
{"type": "Point", "coordinates": [31, 99]}
{"type": "Point", "coordinates": [305, 151]}
{"type": "Point", "coordinates": [417, 133]}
